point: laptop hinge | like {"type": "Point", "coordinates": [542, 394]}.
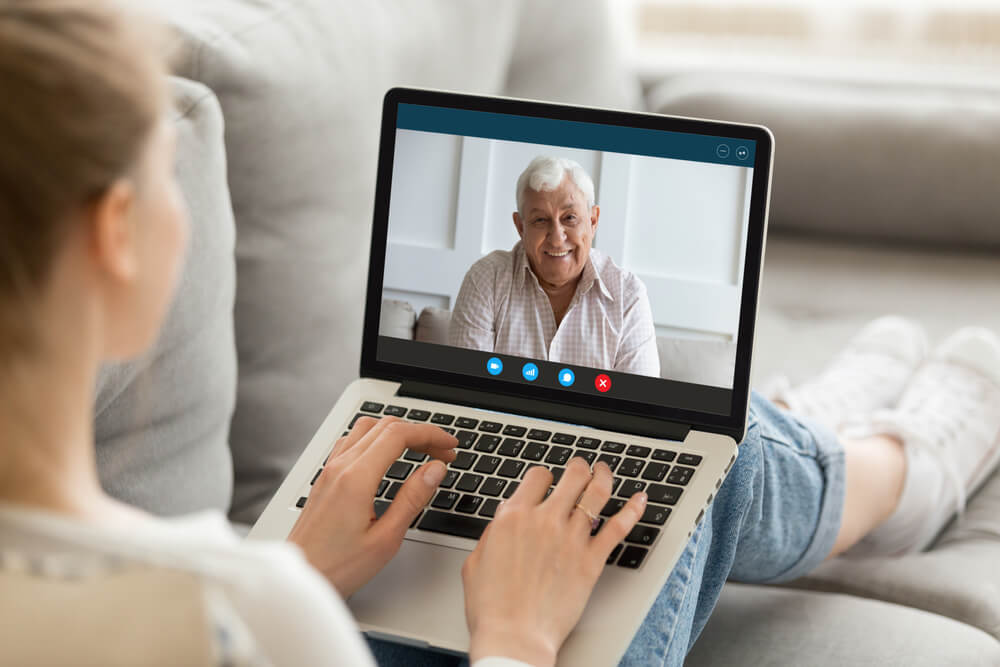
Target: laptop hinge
{"type": "Point", "coordinates": [602, 419]}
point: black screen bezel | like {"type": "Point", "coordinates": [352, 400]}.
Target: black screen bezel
{"type": "Point", "coordinates": [732, 424]}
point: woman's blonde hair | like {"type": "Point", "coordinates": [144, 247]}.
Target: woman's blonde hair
{"type": "Point", "coordinates": [82, 85]}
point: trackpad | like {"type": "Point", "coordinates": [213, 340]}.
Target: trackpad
{"type": "Point", "coordinates": [418, 595]}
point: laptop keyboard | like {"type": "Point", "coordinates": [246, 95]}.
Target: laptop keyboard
{"type": "Point", "coordinates": [493, 457]}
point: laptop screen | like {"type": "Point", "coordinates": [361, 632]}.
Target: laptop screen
{"type": "Point", "coordinates": [563, 256]}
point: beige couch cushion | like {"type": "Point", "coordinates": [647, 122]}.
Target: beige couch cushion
{"type": "Point", "coordinates": [877, 160]}
{"type": "Point", "coordinates": [756, 626]}
{"type": "Point", "coordinates": [161, 422]}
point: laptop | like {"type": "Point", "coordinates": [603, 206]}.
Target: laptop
{"type": "Point", "coordinates": [683, 211]}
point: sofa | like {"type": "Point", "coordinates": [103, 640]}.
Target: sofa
{"type": "Point", "coordinates": [881, 203]}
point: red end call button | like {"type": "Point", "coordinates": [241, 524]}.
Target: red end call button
{"type": "Point", "coordinates": [602, 383]}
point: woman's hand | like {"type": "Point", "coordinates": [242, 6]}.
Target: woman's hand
{"type": "Point", "coordinates": [531, 574]}
{"type": "Point", "coordinates": [337, 529]}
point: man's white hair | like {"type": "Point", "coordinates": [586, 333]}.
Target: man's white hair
{"type": "Point", "coordinates": [545, 173]}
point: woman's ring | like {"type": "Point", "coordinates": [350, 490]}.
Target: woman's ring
{"type": "Point", "coordinates": [594, 520]}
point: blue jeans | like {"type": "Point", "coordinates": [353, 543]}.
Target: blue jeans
{"type": "Point", "coordinates": [775, 518]}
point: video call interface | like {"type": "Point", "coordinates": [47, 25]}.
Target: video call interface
{"type": "Point", "coordinates": [581, 257]}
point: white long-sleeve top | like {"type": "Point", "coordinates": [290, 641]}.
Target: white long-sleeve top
{"type": "Point", "coordinates": [184, 591]}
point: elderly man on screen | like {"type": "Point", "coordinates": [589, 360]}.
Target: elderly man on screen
{"type": "Point", "coordinates": [553, 296]}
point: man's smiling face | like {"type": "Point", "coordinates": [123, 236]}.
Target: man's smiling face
{"type": "Point", "coordinates": [557, 231]}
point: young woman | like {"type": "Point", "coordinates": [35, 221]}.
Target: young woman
{"type": "Point", "coordinates": [92, 233]}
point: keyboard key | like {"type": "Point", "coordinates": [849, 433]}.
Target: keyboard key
{"type": "Point", "coordinates": [487, 464]}
{"type": "Point", "coordinates": [588, 443]}
{"type": "Point", "coordinates": [490, 427]}
{"type": "Point", "coordinates": [489, 508]}
{"type": "Point", "coordinates": [514, 430]}
{"type": "Point", "coordinates": [465, 439]}
{"type": "Point", "coordinates": [630, 487]}
{"type": "Point", "coordinates": [466, 422]}
{"type": "Point", "coordinates": [448, 430]}
{"type": "Point", "coordinates": [487, 443]}
{"type": "Point", "coordinates": [638, 450]}
{"type": "Point", "coordinates": [534, 451]}
{"type": "Point", "coordinates": [380, 507]}
{"type": "Point", "coordinates": [612, 506]}
{"type": "Point", "coordinates": [538, 434]}
{"type": "Point", "coordinates": [510, 447]}
{"type": "Point", "coordinates": [315, 477]}
{"type": "Point", "coordinates": [469, 482]}
{"type": "Point", "coordinates": [587, 456]}
{"type": "Point", "coordinates": [393, 490]}
{"type": "Point", "coordinates": [611, 459]}
{"type": "Point", "coordinates": [382, 486]}
{"type": "Point", "coordinates": [663, 455]}
{"type": "Point", "coordinates": [511, 468]}
{"type": "Point", "coordinates": [469, 504]}
{"type": "Point", "coordinates": [395, 411]}
{"type": "Point", "coordinates": [449, 479]}
{"type": "Point", "coordinates": [680, 475]}
{"type": "Point", "coordinates": [463, 460]}
{"type": "Point", "coordinates": [614, 554]}
{"type": "Point", "coordinates": [655, 514]}
{"type": "Point", "coordinates": [563, 439]}
{"type": "Point", "coordinates": [632, 557]}
{"type": "Point", "coordinates": [613, 447]}
{"type": "Point", "coordinates": [399, 470]}
{"type": "Point", "coordinates": [493, 486]}
{"type": "Point", "coordinates": [665, 495]}
{"type": "Point", "coordinates": [411, 455]}
{"type": "Point", "coordinates": [511, 488]}
{"type": "Point", "coordinates": [418, 415]}
{"type": "Point", "coordinates": [631, 467]}
{"type": "Point", "coordinates": [642, 535]}
{"type": "Point", "coordinates": [655, 471]}
{"type": "Point", "coordinates": [453, 524]}
{"type": "Point", "coordinates": [442, 419]}
{"type": "Point", "coordinates": [558, 455]}
{"type": "Point", "coordinates": [689, 459]}
{"type": "Point", "coordinates": [371, 406]}
{"type": "Point", "coordinates": [445, 500]}
{"type": "Point", "coordinates": [557, 474]}
{"type": "Point", "coordinates": [301, 502]}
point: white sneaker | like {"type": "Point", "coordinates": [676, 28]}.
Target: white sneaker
{"type": "Point", "coordinates": [949, 422]}
{"type": "Point", "coordinates": [869, 374]}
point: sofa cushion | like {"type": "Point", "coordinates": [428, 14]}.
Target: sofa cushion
{"type": "Point", "coordinates": [301, 84]}
{"type": "Point", "coordinates": [162, 421]}
{"type": "Point", "coordinates": [755, 625]}
{"type": "Point", "coordinates": [397, 319]}
{"type": "Point", "coordinates": [915, 162]}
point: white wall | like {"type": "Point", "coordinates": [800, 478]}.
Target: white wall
{"type": "Point", "coordinates": [679, 225]}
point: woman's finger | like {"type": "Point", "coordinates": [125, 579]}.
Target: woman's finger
{"type": "Point", "coordinates": [596, 493]}
{"type": "Point", "coordinates": [532, 488]}
{"type": "Point", "coordinates": [358, 431]}
{"type": "Point", "coordinates": [617, 527]}
{"type": "Point", "coordinates": [385, 443]}
{"type": "Point", "coordinates": [574, 480]}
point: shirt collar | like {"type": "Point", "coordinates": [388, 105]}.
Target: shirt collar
{"type": "Point", "coordinates": [589, 276]}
